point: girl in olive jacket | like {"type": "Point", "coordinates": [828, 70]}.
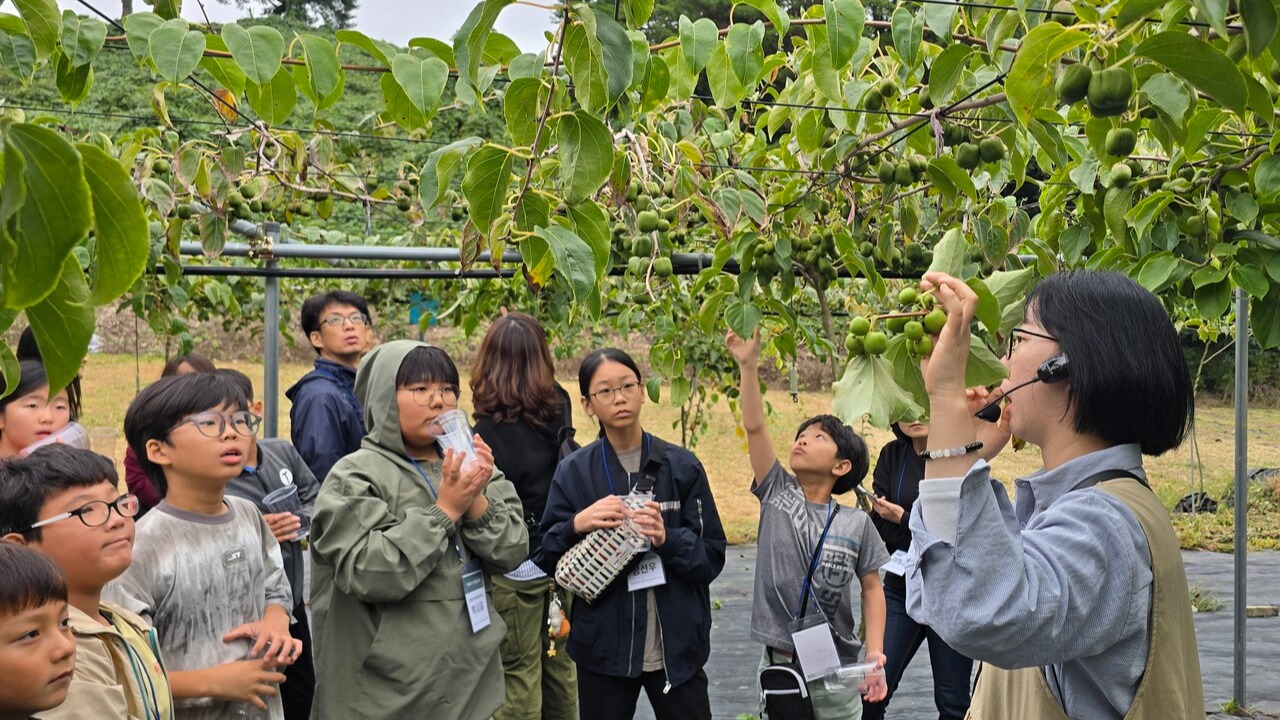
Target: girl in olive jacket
{"type": "Point", "coordinates": [395, 525]}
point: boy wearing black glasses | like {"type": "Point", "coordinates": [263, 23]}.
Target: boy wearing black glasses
{"type": "Point", "coordinates": [64, 503]}
{"type": "Point", "coordinates": [207, 570]}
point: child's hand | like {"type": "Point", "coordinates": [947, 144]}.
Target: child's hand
{"type": "Point", "coordinates": [648, 520]}
{"type": "Point", "coordinates": [271, 641]}
{"type": "Point", "coordinates": [746, 352]}
{"type": "Point", "coordinates": [603, 513]}
{"type": "Point", "coordinates": [887, 510]}
{"type": "Point", "coordinates": [284, 526]}
{"type": "Point", "coordinates": [245, 681]}
{"type": "Point", "coordinates": [875, 688]}
{"type": "Point", "coordinates": [458, 489]}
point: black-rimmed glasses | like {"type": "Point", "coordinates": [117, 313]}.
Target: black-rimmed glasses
{"type": "Point", "coordinates": [96, 513]}
{"type": "Point", "coordinates": [1015, 336]}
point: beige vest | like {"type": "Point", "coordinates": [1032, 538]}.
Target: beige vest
{"type": "Point", "coordinates": [1170, 688]}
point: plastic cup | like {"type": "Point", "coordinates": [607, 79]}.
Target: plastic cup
{"type": "Point", "coordinates": [453, 432]}
{"type": "Point", "coordinates": [72, 434]}
{"type": "Point", "coordinates": [286, 500]}
{"type": "Point", "coordinates": [635, 501]}
{"type": "Point", "coordinates": [102, 440]}
{"type": "Point", "coordinates": [851, 678]}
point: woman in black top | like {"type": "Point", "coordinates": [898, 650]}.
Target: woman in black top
{"type": "Point", "coordinates": [523, 414]}
{"type": "Point", "coordinates": [896, 483]}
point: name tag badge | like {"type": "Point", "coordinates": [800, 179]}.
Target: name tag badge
{"type": "Point", "coordinates": [231, 557]}
{"type": "Point", "coordinates": [897, 564]}
{"type": "Point", "coordinates": [815, 646]}
{"type": "Point", "coordinates": [473, 591]}
{"type": "Point", "coordinates": [649, 573]}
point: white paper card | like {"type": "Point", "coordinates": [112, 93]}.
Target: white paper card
{"type": "Point", "coordinates": [473, 591]}
{"type": "Point", "coordinates": [816, 650]}
{"type": "Point", "coordinates": [649, 573]}
{"type": "Point", "coordinates": [897, 564]}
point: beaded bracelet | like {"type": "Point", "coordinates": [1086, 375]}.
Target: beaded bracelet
{"type": "Point", "coordinates": [951, 452]}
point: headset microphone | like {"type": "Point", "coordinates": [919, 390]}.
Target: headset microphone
{"type": "Point", "coordinates": [1055, 369]}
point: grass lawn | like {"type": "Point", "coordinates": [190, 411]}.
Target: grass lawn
{"type": "Point", "coordinates": [110, 384]}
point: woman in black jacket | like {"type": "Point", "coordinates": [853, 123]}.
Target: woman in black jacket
{"type": "Point", "coordinates": [524, 416]}
{"type": "Point", "coordinates": [639, 633]}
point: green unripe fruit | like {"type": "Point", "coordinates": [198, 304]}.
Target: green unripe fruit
{"type": "Point", "coordinates": [1195, 226]}
{"type": "Point", "coordinates": [663, 225]}
{"type": "Point", "coordinates": [1109, 92]}
{"type": "Point", "coordinates": [895, 324]}
{"type": "Point", "coordinates": [669, 213]}
{"type": "Point", "coordinates": [923, 346]}
{"type": "Point", "coordinates": [856, 345]}
{"type": "Point", "coordinates": [919, 165]}
{"type": "Point", "coordinates": [1179, 186]}
{"type": "Point", "coordinates": [1121, 174]}
{"type": "Point", "coordinates": [886, 172]}
{"type": "Point", "coordinates": [662, 267]}
{"type": "Point", "coordinates": [1073, 83]}
{"type": "Point", "coordinates": [903, 175]}
{"type": "Point", "coordinates": [1236, 48]}
{"type": "Point", "coordinates": [404, 186]}
{"type": "Point", "coordinates": [1064, 13]}
{"type": "Point", "coordinates": [865, 248]}
{"type": "Point", "coordinates": [242, 212]}
{"type": "Point", "coordinates": [927, 260]}
{"type": "Point", "coordinates": [934, 321]}
{"type": "Point", "coordinates": [908, 296]}
{"type": "Point", "coordinates": [1121, 142]}
{"type": "Point", "coordinates": [968, 156]}
{"type": "Point", "coordinates": [926, 102]}
{"type": "Point", "coordinates": [161, 166]}
{"type": "Point", "coordinates": [875, 343]}
{"type": "Point", "coordinates": [991, 150]}
{"type": "Point", "coordinates": [913, 252]}
{"type": "Point", "coordinates": [887, 89]}
{"type": "Point", "coordinates": [914, 330]}
{"type": "Point", "coordinates": [633, 190]}
{"type": "Point", "coordinates": [403, 203]}
{"type": "Point", "coordinates": [642, 246]}
{"type": "Point", "coordinates": [458, 214]}
{"type": "Point", "coordinates": [644, 202]}
{"type": "Point", "coordinates": [635, 265]}
{"type": "Point", "coordinates": [873, 101]}
{"type": "Point", "coordinates": [647, 221]}
{"type": "Point", "coordinates": [235, 199]}
{"type": "Point", "coordinates": [249, 191]}
{"type": "Point", "coordinates": [859, 326]}
{"type": "Point", "coordinates": [184, 212]}
{"type": "Point", "coordinates": [1135, 168]}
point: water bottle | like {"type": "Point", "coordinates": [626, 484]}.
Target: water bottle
{"type": "Point", "coordinates": [248, 712]}
{"type": "Point", "coordinates": [850, 678]}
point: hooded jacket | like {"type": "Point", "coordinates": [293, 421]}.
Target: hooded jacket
{"type": "Point", "coordinates": [326, 420]}
{"type": "Point", "coordinates": [392, 634]}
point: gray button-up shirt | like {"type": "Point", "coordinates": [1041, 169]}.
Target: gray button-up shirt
{"type": "Point", "coordinates": [1062, 582]}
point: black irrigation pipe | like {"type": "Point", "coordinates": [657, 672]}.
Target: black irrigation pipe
{"type": "Point", "coordinates": [346, 273]}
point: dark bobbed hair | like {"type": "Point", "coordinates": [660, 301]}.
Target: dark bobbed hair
{"type": "Point", "coordinates": [592, 362]}
{"type": "Point", "coordinates": [315, 305]}
{"type": "Point", "coordinates": [1129, 381]}
{"type": "Point", "coordinates": [241, 381]}
{"type": "Point", "coordinates": [26, 484]}
{"type": "Point", "coordinates": [163, 404]}
{"type": "Point", "coordinates": [849, 446]}
{"type": "Point", "coordinates": [198, 362]}
{"type": "Point", "coordinates": [31, 580]}
{"type": "Point", "coordinates": [514, 377]}
{"type": "Point", "coordinates": [427, 364]}
{"type": "Point", "coordinates": [32, 377]}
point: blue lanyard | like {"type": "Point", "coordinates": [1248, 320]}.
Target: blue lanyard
{"type": "Point", "coordinates": [453, 538]}
{"type": "Point", "coordinates": [902, 472]}
{"type": "Point", "coordinates": [817, 555]}
{"type": "Point", "coordinates": [604, 461]}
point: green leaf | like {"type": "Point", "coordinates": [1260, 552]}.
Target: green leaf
{"type": "Point", "coordinates": [868, 390]}
{"type": "Point", "coordinates": [10, 369]}
{"type": "Point", "coordinates": [1266, 176]}
{"type": "Point", "coordinates": [742, 317]}
{"type": "Point", "coordinates": [726, 89]}
{"type": "Point", "coordinates": [584, 58]}
{"type": "Point", "coordinates": [586, 154]}
{"type": "Point", "coordinates": [1252, 280]}
{"type": "Point", "coordinates": [440, 168]}
{"type": "Point", "coordinates": [1212, 300]}
{"type": "Point", "coordinates": [378, 50]}
{"type": "Point", "coordinates": [176, 50]}
{"type": "Point", "coordinates": [1146, 212]}
{"type": "Point", "coordinates": [984, 368]}
{"type": "Point", "coordinates": [771, 10]}
{"type": "Point", "coordinates": [167, 9]}
{"type": "Point", "coordinates": [73, 83]}
{"type": "Point", "coordinates": [224, 70]}
{"type": "Point", "coordinates": [592, 224]}
{"type": "Point", "coordinates": [950, 178]}
{"type": "Point", "coordinates": [485, 185]}
{"type": "Point", "coordinates": [1157, 270]}
{"type": "Point", "coordinates": [257, 50]}
{"type": "Point", "coordinates": [64, 321]}
{"type": "Point", "coordinates": [399, 107]}
{"type": "Point", "coordinates": [1131, 11]}
{"type": "Point", "coordinates": [988, 310]}
{"type": "Point", "coordinates": [137, 32]}
{"type": "Point", "coordinates": [907, 34]}
{"type": "Point", "coordinates": [946, 72]}
{"type": "Point", "coordinates": [940, 17]}
{"type": "Point", "coordinates": [44, 24]}
{"type": "Point", "coordinates": [469, 41]}
{"type": "Point", "coordinates": [615, 52]}
{"type": "Point", "coordinates": [574, 259]}
{"type": "Point", "coordinates": [948, 254]}
{"type": "Point", "coordinates": [325, 77]}
{"type": "Point", "coordinates": [213, 234]}
{"type": "Point", "coordinates": [423, 81]}
{"type": "Point", "coordinates": [1215, 13]}
{"type": "Point", "coordinates": [521, 106]}
{"type": "Point", "coordinates": [637, 12]}
{"type": "Point", "coordinates": [845, 19]}
{"type": "Point", "coordinates": [18, 56]}
{"type": "Point", "coordinates": [44, 210]}
{"type": "Point", "coordinates": [698, 41]}
{"type": "Point", "coordinates": [1030, 81]}
{"type": "Point", "coordinates": [1200, 64]}
{"type": "Point", "coordinates": [1264, 318]}
{"type": "Point", "coordinates": [1115, 207]}
{"type": "Point", "coordinates": [275, 101]}
{"type": "Point", "coordinates": [82, 38]}
{"type": "Point", "coordinates": [1169, 94]}
{"type": "Point", "coordinates": [745, 47]}
{"type": "Point", "coordinates": [122, 237]}
{"type": "Point", "coordinates": [1260, 20]}
{"type": "Point", "coordinates": [444, 51]}
{"type": "Point", "coordinates": [1009, 287]}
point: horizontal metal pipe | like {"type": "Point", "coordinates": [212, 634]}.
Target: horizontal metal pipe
{"type": "Point", "coordinates": [352, 273]}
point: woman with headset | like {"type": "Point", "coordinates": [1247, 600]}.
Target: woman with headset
{"type": "Point", "coordinates": [1074, 598]}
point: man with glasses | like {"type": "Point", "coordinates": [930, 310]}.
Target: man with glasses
{"type": "Point", "coordinates": [64, 503]}
{"type": "Point", "coordinates": [327, 421]}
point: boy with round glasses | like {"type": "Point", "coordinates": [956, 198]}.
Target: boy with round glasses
{"type": "Point", "coordinates": [207, 570]}
{"type": "Point", "coordinates": [63, 502]}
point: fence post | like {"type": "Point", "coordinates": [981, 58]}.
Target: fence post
{"type": "Point", "coordinates": [1242, 492]}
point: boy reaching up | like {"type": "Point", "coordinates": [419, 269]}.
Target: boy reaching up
{"type": "Point", "coordinates": [206, 569]}
{"type": "Point", "coordinates": [803, 527]}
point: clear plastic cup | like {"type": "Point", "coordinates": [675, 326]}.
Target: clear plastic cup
{"type": "Point", "coordinates": [635, 501]}
{"type": "Point", "coordinates": [453, 432]}
{"type": "Point", "coordinates": [852, 678]}
{"type": "Point", "coordinates": [72, 434]}
{"type": "Point", "coordinates": [102, 440]}
{"type": "Point", "coordinates": [286, 500]}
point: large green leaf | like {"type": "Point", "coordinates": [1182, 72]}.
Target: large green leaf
{"type": "Point", "coordinates": [940, 16]}
{"type": "Point", "coordinates": [637, 12]}
{"type": "Point", "coordinates": [1132, 11]}
{"type": "Point", "coordinates": [43, 22]}
{"type": "Point", "coordinates": [224, 70]}
{"type": "Point", "coordinates": [82, 38]}
{"type": "Point", "coordinates": [258, 50]}
{"type": "Point", "coordinates": [984, 368]}
{"type": "Point", "coordinates": [45, 208]}
{"type": "Point", "coordinates": [745, 48]}
{"type": "Point", "coordinates": [440, 168]}
{"type": "Point", "coordinates": [378, 50]}
{"type": "Point", "coordinates": [1010, 290]}
{"type": "Point", "coordinates": [324, 77]}
{"type": "Point", "coordinates": [521, 107]}
{"type": "Point", "coordinates": [400, 109]}
{"type": "Point", "coordinates": [176, 49]}
{"type": "Point", "coordinates": [423, 81]}
{"type": "Point", "coordinates": [574, 260]}
{"type": "Point", "coordinates": [1200, 64]}
{"type": "Point", "coordinates": [726, 89]}
{"type": "Point", "coordinates": [697, 40]}
{"type": "Point", "coordinates": [948, 254]}
{"type": "Point", "coordinates": [485, 185]}
{"type": "Point", "coordinates": [950, 178]}
{"type": "Point", "coordinates": [770, 9]}
{"type": "Point", "coordinates": [1264, 318]}
{"type": "Point", "coordinates": [1215, 13]}
{"type": "Point", "coordinates": [18, 55]}
{"type": "Point", "coordinates": [586, 154]}
{"type": "Point", "coordinates": [73, 82]}
{"type": "Point", "coordinates": [615, 52]}
{"type": "Point", "coordinates": [469, 41]}
{"type": "Point", "coordinates": [584, 59]}
{"type": "Point", "coordinates": [946, 72]}
{"type": "Point", "coordinates": [274, 102]}
{"type": "Point", "coordinates": [1259, 24]}
{"type": "Point", "coordinates": [137, 33]}
{"type": "Point", "coordinates": [742, 317]}
{"type": "Point", "coordinates": [908, 32]}
{"type": "Point", "coordinates": [63, 323]}
{"type": "Point", "coordinates": [122, 240]}
{"type": "Point", "coordinates": [845, 19]}
{"type": "Point", "coordinates": [1030, 82]}
{"type": "Point", "coordinates": [868, 390]}
{"type": "Point", "coordinates": [592, 225]}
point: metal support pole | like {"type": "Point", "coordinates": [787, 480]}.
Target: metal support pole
{"type": "Point", "coordinates": [1242, 491]}
{"type": "Point", "coordinates": [271, 351]}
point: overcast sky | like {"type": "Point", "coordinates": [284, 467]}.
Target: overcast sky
{"type": "Point", "coordinates": [390, 20]}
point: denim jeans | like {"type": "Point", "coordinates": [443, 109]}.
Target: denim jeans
{"type": "Point", "coordinates": [952, 672]}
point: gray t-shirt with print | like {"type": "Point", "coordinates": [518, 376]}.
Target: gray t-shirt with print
{"type": "Point", "coordinates": [790, 527]}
